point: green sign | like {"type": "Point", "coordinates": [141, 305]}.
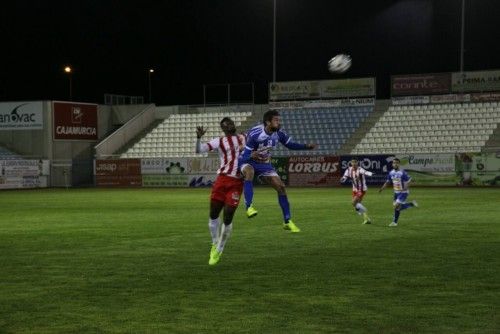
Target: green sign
{"type": "Point", "coordinates": [177, 180]}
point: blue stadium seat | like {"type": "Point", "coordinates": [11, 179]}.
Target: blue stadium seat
{"type": "Point", "coordinates": [330, 127]}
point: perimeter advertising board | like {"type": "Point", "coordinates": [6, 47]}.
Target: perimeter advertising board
{"type": "Point", "coordinates": [174, 180]}
{"type": "Point", "coordinates": [179, 172]}
{"type": "Point", "coordinates": [164, 166]}
{"type": "Point", "coordinates": [118, 173]}
{"type": "Point", "coordinates": [377, 164]}
{"type": "Point", "coordinates": [430, 169]}
{"type": "Point", "coordinates": [165, 172]}
{"type": "Point", "coordinates": [203, 165]}
{"type": "Point", "coordinates": [24, 173]}
{"type": "Point", "coordinates": [313, 171]}
{"type": "Point", "coordinates": [478, 169]}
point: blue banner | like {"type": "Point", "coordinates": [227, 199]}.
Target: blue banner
{"type": "Point", "coordinates": [377, 164]}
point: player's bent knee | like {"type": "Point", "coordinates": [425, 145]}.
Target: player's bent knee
{"type": "Point", "coordinates": [248, 172]}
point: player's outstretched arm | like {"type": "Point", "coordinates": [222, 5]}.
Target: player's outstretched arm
{"type": "Point", "coordinates": [200, 131]}
{"type": "Point", "coordinates": [345, 176]}
{"type": "Point", "coordinates": [296, 146]}
{"type": "Point", "coordinates": [383, 186]}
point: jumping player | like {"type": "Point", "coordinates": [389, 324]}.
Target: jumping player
{"type": "Point", "coordinates": [256, 159]}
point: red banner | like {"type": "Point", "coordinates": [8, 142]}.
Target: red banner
{"type": "Point", "coordinates": [314, 171]}
{"type": "Point", "coordinates": [118, 167]}
{"type": "Point", "coordinates": [75, 121]}
{"type": "Point", "coordinates": [421, 84]}
{"type": "Point", "coordinates": [118, 181]}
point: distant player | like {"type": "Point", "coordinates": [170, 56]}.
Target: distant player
{"type": "Point", "coordinates": [226, 191]}
{"type": "Point", "coordinates": [400, 182]}
{"type": "Point", "coordinates": [256, 159]}
{"type": "Point", "coordinates": [357, 176]}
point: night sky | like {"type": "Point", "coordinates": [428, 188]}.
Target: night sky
{"type": "Point", "coordinates": [112, 44]}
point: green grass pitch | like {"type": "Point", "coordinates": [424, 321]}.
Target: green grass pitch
{"type": "Point", "coordinates": [135, 261]}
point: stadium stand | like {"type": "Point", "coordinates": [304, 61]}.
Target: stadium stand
{"type": "Point", "coordinates": [435, 128]}
{"type": "Point", "coordinates": [329, 127]}
{"type": "Point", "coordinates": [175, 136]}
{"type": "Point", "coordinates": [6, 154]}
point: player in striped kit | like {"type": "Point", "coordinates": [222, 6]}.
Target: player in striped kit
{"type": "Point", "coordinates": [357, 176]}
{"type": "Point", "coordinates": [227, 189]}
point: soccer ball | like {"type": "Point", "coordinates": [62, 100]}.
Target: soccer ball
{"type": "Point", "coordinates": [340, 63]}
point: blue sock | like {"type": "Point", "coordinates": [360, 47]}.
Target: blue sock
{"type": "Point", "coordinates": [405, 206]}
{"type": "Point", "coordinates": [248, 192]}
{"type": "Point", "coordinates": [285, 206]}
{"type": "Point", "coordinates": [396, 216]}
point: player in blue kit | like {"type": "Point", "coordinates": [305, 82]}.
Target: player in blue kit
{"type": "Point", "coordinates": [256, 159]}
{"type": "Point", "coordinates": [400, 182]}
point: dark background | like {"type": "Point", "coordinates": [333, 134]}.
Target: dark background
{"type": "Point", "coordinates": [112, 44]}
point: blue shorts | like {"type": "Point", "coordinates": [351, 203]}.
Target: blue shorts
{"type": "Point", "coordinates": [400, 197]}
{"type": "Point", "coordinates": [261, 169]}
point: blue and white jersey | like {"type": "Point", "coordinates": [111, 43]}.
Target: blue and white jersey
{"type": "Point", "coordinates": [258, 140]}
{"type": "Point", "coordinates": [400, 180]}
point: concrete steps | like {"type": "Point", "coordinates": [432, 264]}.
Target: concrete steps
{"type": "Point", "coordinates": [381, 107]}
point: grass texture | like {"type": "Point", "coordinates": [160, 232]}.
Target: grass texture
{"type": "Point", "coordinates": [135, 261]}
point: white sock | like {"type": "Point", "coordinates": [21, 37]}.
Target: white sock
{"type": "Point", "coordinates": [360, 208]}
{"type": "Point", "coordinates": [213, 226]}
{"type": "Point", "coordinates": [226, 233]}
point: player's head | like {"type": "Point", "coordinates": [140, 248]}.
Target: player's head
{"type": "Point", "coordinates": [227, 125]}
{"type": "Point", "coordinates": [395, 163]}
{"type": "Point", "coordinates": [354, 163]}
{"type": "Point", "coordinates": [272, 120]}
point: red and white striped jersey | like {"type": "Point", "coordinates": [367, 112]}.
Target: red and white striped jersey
{"type": "Point", "coordinates": [230, 148]}
{"type": "Point", "coordinates": [357, 177]}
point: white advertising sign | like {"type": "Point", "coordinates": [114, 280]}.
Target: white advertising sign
{"type": "Point", "coordinates": [478, 81]}
{"type": "Point", "coordinates": [405, 100]}
{"type": "Point", "coordinates": [21, 116]}
{"type": "Point", "coordinates": [292, 90]}
{"type": "Point", "coordinates": [428, 162]}
{"type": "Point", "coordinates": [23, 173]}
{"type": "Point", "coordinates": [203, 165]}
{"type": "Point", "coordinates": [20, 168]}
{"type": "Point", "coordinates": [163, 166]}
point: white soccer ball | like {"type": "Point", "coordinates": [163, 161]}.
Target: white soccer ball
{"type": "Point", "coordinates": [340, 63]}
